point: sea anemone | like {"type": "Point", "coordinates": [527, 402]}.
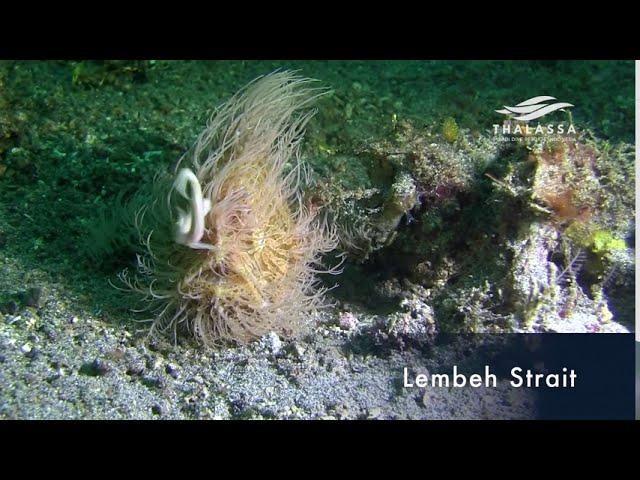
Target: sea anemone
{"type": "Point", "coordinates": [231, 251]}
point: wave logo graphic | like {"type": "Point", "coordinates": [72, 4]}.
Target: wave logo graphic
{"type": "Point", "coordinates": [533, 108]}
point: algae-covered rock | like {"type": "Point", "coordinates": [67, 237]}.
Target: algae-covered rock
{"type": "Point", "coordinates": [523, 236]}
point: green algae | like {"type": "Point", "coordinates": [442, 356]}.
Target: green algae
{"type": "Point", "coordinates": [403, 158]}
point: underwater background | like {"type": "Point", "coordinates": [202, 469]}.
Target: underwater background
{"type": "Point", "coordinates": [445, 228]}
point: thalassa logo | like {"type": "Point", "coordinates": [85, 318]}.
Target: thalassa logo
{"type": "Point", "coordinates": [533, 108]}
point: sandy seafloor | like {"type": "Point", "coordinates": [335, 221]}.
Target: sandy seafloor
{"type": "Point", "coordinates": [59, 361]}
{"type": "Point", "coordinates": [65, 354]}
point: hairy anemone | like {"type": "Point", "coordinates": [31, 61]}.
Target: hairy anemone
{"type": "Point", "coordinates": [230, 249]}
